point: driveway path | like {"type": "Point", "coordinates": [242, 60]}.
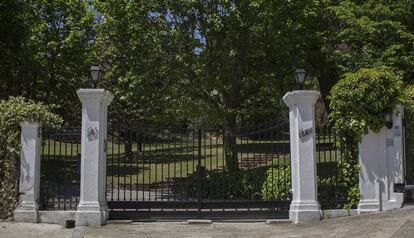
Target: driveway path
{"type": "Point", "coordinates": [396, 224]}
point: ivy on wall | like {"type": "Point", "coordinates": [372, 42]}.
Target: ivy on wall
{"type": "Point", "coordinates": [12, 112]}
{"type": "Point", "coordinates": [359, 102]}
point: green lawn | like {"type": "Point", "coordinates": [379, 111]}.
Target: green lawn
{"type": "Point", "coordinates": [156, 162]}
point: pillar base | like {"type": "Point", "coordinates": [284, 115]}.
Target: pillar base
{"type": "Point", "coordinates": [368, 206]}
{"type": "Point", "coordinates": [91, 215]}
{"type": "Point", "coordinates": [396, 203]}
{"type": "Point", "coordinates": [27, 213]}
{"type": "Point", "coordinates": [304, 211]}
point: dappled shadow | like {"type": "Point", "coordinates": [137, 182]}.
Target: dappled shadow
{"type": "Point", "coordinates": [264, 148]}
{"type": "Point", "coordinates": [143, 158]}
{"type": "Point", "coordinates": [151, 137]}
{"type": "Point", "coordinates": [60, 169]}
{"type": "Point", "coordinates": [122, 170]}
{"type": "Point", "coordinates": [59, 182]}
{"type": "Point", "coordinates": [59, 196]}
{"type": "Point", "coordinates": [327, 169]}
{"type": "Point", "coordinates": [124, 167]}
{"type": "Point", "coordinates": [325, 146]}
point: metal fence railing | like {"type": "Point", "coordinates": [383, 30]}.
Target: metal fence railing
{"type": "Point", "coordinates": [166, 165]}
{"type": "Point", "coordinates": [60, 169]}
{"type": "Point", "coordinates": [329, 154]}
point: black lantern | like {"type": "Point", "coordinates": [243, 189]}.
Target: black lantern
{"type": "Point", "coordinates": [300, 75]}
{"type": "Point", "coordinates": [388, 120]}
{"type": "Point", "coordinates": [95, 73]}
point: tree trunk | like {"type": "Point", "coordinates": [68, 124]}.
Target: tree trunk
{"type": "Point", "coordinates": [128, 146]}
{"type": "Point", "coordinates": [230, 145]}
{"type": "Point", "coordinates": [327, 79]}
{"type": "Point", "coordinates": [139, 142]}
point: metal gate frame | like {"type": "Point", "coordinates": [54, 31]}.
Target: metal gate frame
{"type": "Point", "coordinates": [145, 208]}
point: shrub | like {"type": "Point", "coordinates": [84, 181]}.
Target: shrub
{"type": "Point", "coordinates": [360, 100]}
{"type": "Point", "coordinates": [12, 112]}
{"type": "Point", "coordinates": [331, 193]}
{"type": "Point", "coordinates": [256, 184]}
{"type": "Point", "coordinates": [241, 184]}
{"type": "Point", "coordinates": [278, 183]}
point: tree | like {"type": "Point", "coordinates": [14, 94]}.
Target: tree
{"type": "Point", "coordinates": [224, 61]}
{"type": "Point", "coordinates": [61, 44]}
{"type": "Point", "coordinates": [375, 34]}
{"type": "Point", "coordinates": [14, 32]}
{"type": "Point", "coordinates": [244, 60]}
{"type": "Point", "coordinates": [46, 47]}
{"type": "Point", "coordinates": [137, 46]}
{"type": "Point", "coordinates": [355, 34]}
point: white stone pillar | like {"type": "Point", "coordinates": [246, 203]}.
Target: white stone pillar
{"type": "Point", "coordinates": [371, 153]}
{"type": "Point", "coordinates": [29, 187]}
{"type": "Point", "coordinates": [92, 209]}
{"type": "Point", "coordinates": [304, 206]}
{"type": "Point", "coordinates": [393, 169]}
{"type": "Point", "coordinates": [381, 157]}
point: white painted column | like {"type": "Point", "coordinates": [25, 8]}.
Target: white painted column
{"type": "Point", "coordinates": [92, 209]}
{"type": "Point", "coordinates": [394, 164]}
{"type": "Point", "coordinates": [381, 157]}
{"type": "Point", "coordinates": [371, 153]}
{"type": "Point", "coordinates": [304, 206]}
{"type": "Point", "coordinates": [29, 187]}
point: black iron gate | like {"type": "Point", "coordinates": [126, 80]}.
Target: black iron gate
{"type": "Point", "coordinates": [181, 173]}
{"type": "Point", "coordinates": [408, 128]}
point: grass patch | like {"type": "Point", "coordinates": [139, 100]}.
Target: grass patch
{"type": "Point", "coordinates": [165, 160]}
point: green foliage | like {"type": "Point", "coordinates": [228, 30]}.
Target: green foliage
{"type": "Point", "coordinates": [232, 163]}
{"type": "Point", "coordinates": [258, 183]}
{"type": "Point", "coordinates": [374, 33]}
{"type": "Point", "coordinates": [349, 170]}
{"type": "Point", "coordinates": [277, 184]}
{"type": "Point", "coordinates": [332, 193]}
{"type": "Point", "coordinates": [360, 100]}
{"type": "Point", "coordinates": [185, 60]}
{"type": "Point", "coordinates": [47, 47]}
{"type": "Point", "coordinates": [12, 112]}
{"type": "Point", "coordinates": [326, 186]}
{"type": "Point", "coordinates": [240, 184]}
{"type": "Point", "coordinates": [164, 59]}
{"type": "Point", "coordinates": [349, 35]}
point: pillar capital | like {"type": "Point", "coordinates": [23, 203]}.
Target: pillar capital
{"type": "Point", "coordinates": [301, 96]}
{"type": "Point", "coordinates": [30, 123]}
{"type": "Point", "coordinates": [95, 95]}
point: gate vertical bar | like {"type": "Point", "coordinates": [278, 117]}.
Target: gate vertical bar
{"type": "Point", "coordinates": [199, 175]}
